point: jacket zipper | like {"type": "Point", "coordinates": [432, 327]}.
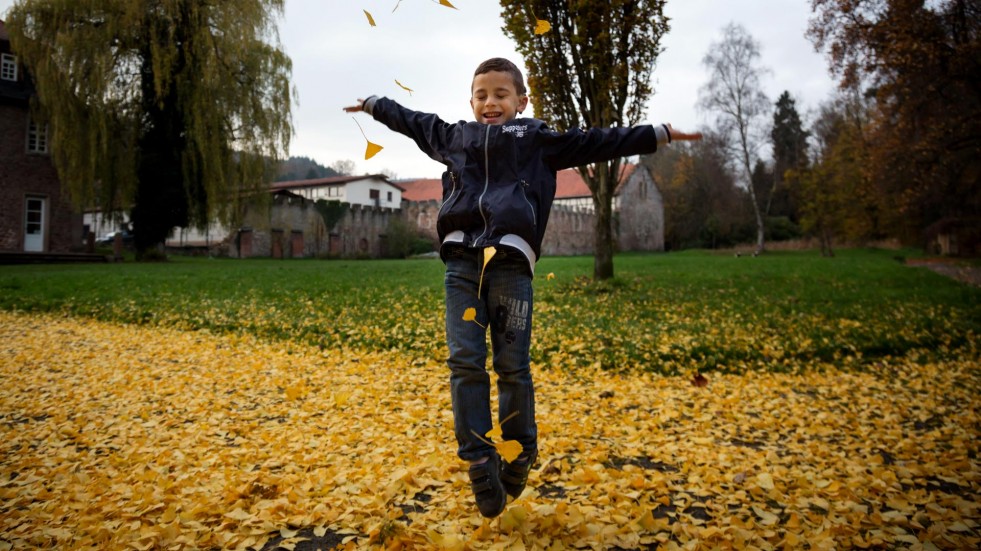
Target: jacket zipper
{"type": "Point", "coordinates": [480, 200]}
{"type": "Point", "coordinates": [534, 216]}
{"type": "Point", "coordinates": [450, 196]}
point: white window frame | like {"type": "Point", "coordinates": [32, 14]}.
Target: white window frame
{"type": "Point", "coordinates": [8, 67]}
{"type": "Point", "coordinates": [37, 138]}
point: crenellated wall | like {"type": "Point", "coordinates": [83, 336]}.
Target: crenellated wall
{"type": "Point", "coordinates": [292, 227]}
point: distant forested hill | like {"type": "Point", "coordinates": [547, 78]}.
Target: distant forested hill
{"type": "Point", "coordinates": [303, 168]}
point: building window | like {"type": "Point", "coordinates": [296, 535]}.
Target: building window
{"type": "Point", "coordinates": [8, 67]}
{"type": "Point", "coordinates": [389, 196]}
{"type": "Point", "coordinates": [373, 194]}
{"type": "Point", "coordinates": [37, 138]}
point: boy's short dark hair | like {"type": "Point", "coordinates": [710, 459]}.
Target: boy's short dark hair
{"type": "Point", "coordinates": [504, 66]}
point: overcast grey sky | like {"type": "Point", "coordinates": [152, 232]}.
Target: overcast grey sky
{"type": "Point", "coordinates": [338, 57]}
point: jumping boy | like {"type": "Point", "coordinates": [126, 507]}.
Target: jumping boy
{"type": "Point", "coordinates": [497, 192]}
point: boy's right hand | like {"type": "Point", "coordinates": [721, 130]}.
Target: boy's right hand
{"type": "Point", "coordinates": [677, 135]}
{"type": "Point", "coordinates": [355, 108]}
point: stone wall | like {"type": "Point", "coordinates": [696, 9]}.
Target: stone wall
{"type": "Point", "coordinates": [292, 224]}
{"type": "Point", "coordinates": [292, 227]}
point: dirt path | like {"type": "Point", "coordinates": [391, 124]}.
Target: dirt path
{"type": "Point", "coordinates": [962, 272]}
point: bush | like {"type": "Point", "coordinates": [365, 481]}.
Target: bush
{"type": "Point", "coordinates": [403, 240]}
{"type": "Point", "coordinates": [781, 228]}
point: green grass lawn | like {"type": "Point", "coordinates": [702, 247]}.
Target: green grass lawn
{"type": "Point", "coordinates": [668, 313]}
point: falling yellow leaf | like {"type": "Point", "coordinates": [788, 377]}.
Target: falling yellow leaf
{"type": "Point", "coordinates": [497, 431]}
{"type": "Point", "coordinates": [371, 20]}
{"type": "Point", "coordinates": [404, 87]}
{"type": "Point", "coordinates": [550, 276]}
{"type": "Point", "coordinates": [509, 449]}
{"type": "Point", "coordinates": [447, 4]}
{"type": "Point", "coordinates": [372, 148]}
{"type": "Point", "coordinates": [542, 26]}
{"type": "Point", "coordinates": [489, 253]}
{"type": "Point", "coordinates": [470, 314]}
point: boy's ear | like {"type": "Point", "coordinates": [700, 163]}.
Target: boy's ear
{"type": "Point", "coordinates": [522, 104]}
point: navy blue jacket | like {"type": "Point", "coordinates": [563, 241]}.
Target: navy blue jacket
{"type": "Point", "coordinates": [499, 182]}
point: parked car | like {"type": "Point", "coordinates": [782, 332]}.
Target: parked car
{"type": "Point", "coordinates": [110, 237]}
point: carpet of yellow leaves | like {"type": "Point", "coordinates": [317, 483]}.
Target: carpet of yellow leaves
{"type": "Point", "coordinates": [133, 437]}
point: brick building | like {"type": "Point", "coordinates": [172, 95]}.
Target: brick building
{"type": "Point", "coordinates": [34, 214]}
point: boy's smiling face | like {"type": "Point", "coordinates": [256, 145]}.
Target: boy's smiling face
{"type": "Point", "coordinates": [494, 98]}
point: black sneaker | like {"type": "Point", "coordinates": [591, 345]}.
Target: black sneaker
{"type": "Point", "coordinates": [514, 475]}
{"type": "Point", "coordinates": [485, 480]}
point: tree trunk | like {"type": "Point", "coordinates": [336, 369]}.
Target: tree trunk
{"type": "Point", "coordinates": [603, 235]}
{"type": "Point", "coordinates": [760, 227]}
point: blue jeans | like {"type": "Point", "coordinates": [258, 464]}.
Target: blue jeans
{"type": "Point", "coordinates": [504, 307]}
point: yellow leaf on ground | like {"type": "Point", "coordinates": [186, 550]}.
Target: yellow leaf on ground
{"type": "Point", "coordinates": [239, 514]}
{"type": "Point", "coordinates": [514, 517]}
{"type": "Point", "coordinates": [766, 517]}
{"type": "Point", "coordinates": [765, 481]}
{"type": "Point", "coordinates": [296, 391]}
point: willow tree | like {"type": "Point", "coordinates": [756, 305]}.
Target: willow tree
{"type": "Point", "coordinates": [169, 107]}
{"type": "Point", "coordinates": [592, 69]}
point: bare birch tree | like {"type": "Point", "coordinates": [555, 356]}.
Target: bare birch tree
{"type": "Point", "coordinates": [734, 94]}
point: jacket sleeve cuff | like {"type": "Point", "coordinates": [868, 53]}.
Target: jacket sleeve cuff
{"type": "Point", "coordinates": [662, 133]}
{"type": "Point", "coordinates": [369, 104]}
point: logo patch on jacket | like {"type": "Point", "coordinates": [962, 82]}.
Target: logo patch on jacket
{"type": "Point", "coordinates": [517, 129]}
